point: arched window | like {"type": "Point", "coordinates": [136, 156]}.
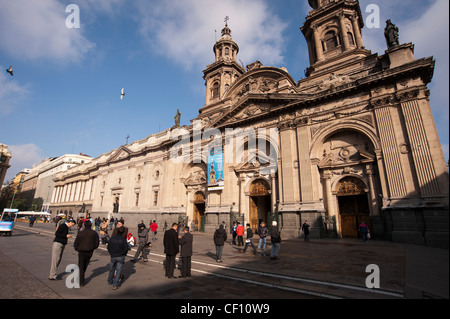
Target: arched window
{"type": "Point", "coordinates": [350, 38]}
{"type": "Point", "coordinates": [331, 40]}
{"type": "Point", "coordinates": [215, 90]}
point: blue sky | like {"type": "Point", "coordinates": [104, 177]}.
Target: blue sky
{"type": "Point", "coordinates": [65, 93]}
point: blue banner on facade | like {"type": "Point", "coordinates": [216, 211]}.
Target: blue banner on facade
{"type": "Point", "coordinates": [215, 169]}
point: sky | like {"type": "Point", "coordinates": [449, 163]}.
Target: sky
{"type": "Point", "coordinates": [64, 97]}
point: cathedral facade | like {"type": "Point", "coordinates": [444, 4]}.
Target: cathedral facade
{"type": "Point", "coordinates": [354, 141]}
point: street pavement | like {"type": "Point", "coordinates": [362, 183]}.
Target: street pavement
{"type": "Point", "coordinates": [320, 269]}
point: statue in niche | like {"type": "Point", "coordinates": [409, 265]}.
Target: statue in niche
{"type": "Point", "coordinates": [391, 34]}
{"type": "Point", "coordinates": [116, 206]}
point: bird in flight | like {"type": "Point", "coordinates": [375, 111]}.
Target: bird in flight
{"type": "Point", "coordinates": [122, 94]}
{"type": "Point", "coordinates": [10, 70]}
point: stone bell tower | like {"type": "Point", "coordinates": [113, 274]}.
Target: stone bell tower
{"type": "Point", "coordinates": [221, 74]}
{"type": "Point", "coordinates": [333, 33]}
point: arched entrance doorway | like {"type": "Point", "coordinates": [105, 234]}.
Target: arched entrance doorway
{"type": "Point", "coordinates": [353, 206]}
{"type": "Point", "coordinates": [199, 211]}
{"type": "Point", "coordinates": [260, 203]}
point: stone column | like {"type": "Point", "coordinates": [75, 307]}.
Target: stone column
{"type": "Point", "coordinates": [373, 196]}
{"type": "Point", "coordinates": [326, 175]}
{"type": "Point", "coordinates": [274, 191]}
{"type": "Point", "coordinates": [318, 44]}
{"type": "Point", "coordinates": [357, 32]}
{"type": "Point", "coordinates": [345, 41]}
{"type": "Point", "coordinates": [241, 194]}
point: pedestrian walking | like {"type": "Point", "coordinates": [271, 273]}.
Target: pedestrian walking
{"type": "Point", "coordinates": [193, 226]}
{"type": "Point", "coordinates": [220, 236]}
{"type": "Point", "coordinates": [31, 221]}
{"type": "Point", "coordinates": [154, 229]}
{"type": "Point", "coordinates": [233, 232]}
{"type": "Point", "coordinates": [111, 223]}
{"type": "Point", "coordinates": [364, 230]}
{"type": "Point", "coordinates": [186, 252]}
{"type": "Point", "coordinates": [305, 229]}
{"type": "Point", "coordinates": [263, 232]}
{"type": "Point", "coordinates": [142, 241]}
{"type": "Point", "coordinates": [240, 233]}
{"type": "Point", "coordinates": [275, 238]}
{"type": "Point", "coordinates": [249, 240]}
{"type": "Point", "coordinates": [118, 249]}
{"type": "Point", "coordinates": [59, 243]}
{"type": "Point", "coordinates": [171, 249]}
{"type": "Point", "coordinates": [85, 243]}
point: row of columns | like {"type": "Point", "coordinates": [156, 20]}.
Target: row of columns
{"type": "Point", "coordinates": [73, 192]}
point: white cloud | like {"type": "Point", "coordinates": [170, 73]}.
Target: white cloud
{"type": "Point", "coordinates": [11, 92]}
{"type": "Point", "coordinates": [37, 29]}
{"type": "Point", "coordinates": [430, 35]}
{"type": "Point", "coordinates": [92, 9]}
{"type": "Point", "coordinates": [183, 30]}
{"type": "Point", "coordinates": [23, 156]}
{"type": "Point", "coordinates": [428, 30]}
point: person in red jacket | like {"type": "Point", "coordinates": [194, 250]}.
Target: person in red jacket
{"type": "Point", "coordinates": [240, 233]}
{"type": "Point", "coordinates": [153, 229]}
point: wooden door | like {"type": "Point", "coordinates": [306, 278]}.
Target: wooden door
{"type": "Point", "coordinates": [353, 210]}
{"type": "Point", "coordinates": [253, 213]}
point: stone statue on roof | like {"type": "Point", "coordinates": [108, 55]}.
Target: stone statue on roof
{"type": "Point", "coordinates": [177, 118]}
{"type": "Point", "coordinates": [391, 34]}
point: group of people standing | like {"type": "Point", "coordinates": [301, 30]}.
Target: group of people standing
{"type": "Point", "coordinates": [87, 240]}
{"type": "Point", "coordinates": [172, 243]}
{"type": "Point", "coordinates": [237, 231]}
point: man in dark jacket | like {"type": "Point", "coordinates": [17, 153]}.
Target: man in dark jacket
{"type": "Point", "coordinates": [86, 242]}
{"type": "Point", "coordinates": [220, 236]}
{"type": "Point", "coordinates": [275, 238]}
{"type": "Point", "coordinates": [263, 232]}
{"type": "Point", "coordinates": [186, 252]}
{"type": "Point", "coordinates": [249, 240]}
{"type": "Point", "coordinates": [142, 241]}
{"type": "Point", "coordinates": [118, 249]}
{"type": "Point", "coordinates": [171, 249]}
{"type": "Point", "coordinates": [59, 243]}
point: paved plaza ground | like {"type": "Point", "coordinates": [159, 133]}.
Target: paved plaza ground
{"type": "Point", "coordinates": [320, 269]}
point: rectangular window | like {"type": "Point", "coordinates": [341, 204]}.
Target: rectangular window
{"type": "Point", "coordinates": [155, 199]}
